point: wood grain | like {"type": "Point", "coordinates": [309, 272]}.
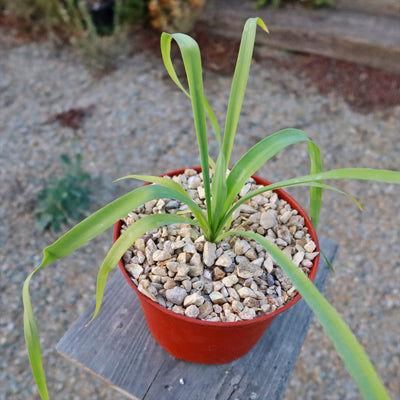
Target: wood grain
{"type": "Point", "coordinates": [118, 347]}
{"type": "Point", "coordinates": [364, 38]}
{"type": "Point", "coordinates": [381, 7]}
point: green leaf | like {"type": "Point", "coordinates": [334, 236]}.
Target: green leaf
{"type": "Point", "coordinates": [343, 339]}
{"type": "Point", "coordinates": [239, 83]}
{"type": "Point", "coordinates": [72, 240]}
{"type": "Point", "coordinates": [134, 232]}
{"type": "Point", "coordinates": [192, 62]}
{"type": "Point", "coordinates": [194, 207]}
{"type": "Point", "coordinates": [219, 191]}
{"type": "Point", "coordinates": [213, 120]}
{"type": "Point", "coordinates": [368, 174]}
{"type": "Point", "coordinates": [65, 160]}
{"type": "Point", "coordinates": [32, 340]}
{"type": "Point", "coordinates": [257, 156]}
{"type": "Point", "coordinates": [228, 215]}
{"type": "Point", "coordinates": [212, 163]}
{"type": "Point", "coordinates": [166, 40]}
{"type": "Point", "coordinates": [106, 217]}
{"type": "Point", "coordinates": [315, 192]}
{"type": "Point", "coordinates": [378, 175]}
{"type": "Point", "coordinates": [327, 260]}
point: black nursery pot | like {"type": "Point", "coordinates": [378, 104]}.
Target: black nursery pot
{"type": "Point", "coordinates": [102, 14]}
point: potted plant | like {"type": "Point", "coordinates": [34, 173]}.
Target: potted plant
{"type": "Point", "coordinates": [225, 192]}
{"type": "Point", "coordinates": [231, 281]}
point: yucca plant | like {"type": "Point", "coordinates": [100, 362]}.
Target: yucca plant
{"type": "Point", "coordinates": [220, 198]}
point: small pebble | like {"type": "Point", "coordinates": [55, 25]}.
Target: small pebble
{"type": "Point", "coordinates": [241, 246]}
{"type": "Point", "coordinates": [230, 280]}
{"type": "Point", "coordinates": [310, 246]}
{"type": "Point", "coordinates": [247, 313]}
{"type": "Point", "coordinates": [176, 295]}
{"type": "Point", "coordinates": [217, 298]}
{"type": "Point", "coordinates": [172, 205]}
{"type": "Point", "coordinates": [246, 292]}
{"type": "Point", "coordinates": [270, 280]}
{"type": "Point", "coordinates": [209, 254]}
{"type": "Point", "coordinates": [205, 309]}
{"type": "Point", "coordinates": [192, 311]}
{"type": "Point", "coordinates": [218, 274]}
{"type": "Point", "coordinates": [224, 260]}
{"type": "Point", "coordinates": [194, 299]}
{"type": "Point", "coordinates": [268, 219]}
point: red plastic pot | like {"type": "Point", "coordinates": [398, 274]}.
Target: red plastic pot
{"type": "Point", "coordinates": [211, 342]}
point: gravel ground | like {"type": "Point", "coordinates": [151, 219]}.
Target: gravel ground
{"type": "Point", "coordinates": [139, 104]}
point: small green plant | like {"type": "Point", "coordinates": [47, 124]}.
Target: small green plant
{"type": "Point", "coordinates": [313, 3]}
{"type": "Point", "coordinates": [221, 202]}
{"type": "Point", "coordinates": [67, 198]}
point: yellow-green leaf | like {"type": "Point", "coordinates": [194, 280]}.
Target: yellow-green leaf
{"type": "Point", "coordinates": [345, 342]}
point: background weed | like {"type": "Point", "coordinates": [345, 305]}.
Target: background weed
{"type": "Point", "coordinates": [67, 198]}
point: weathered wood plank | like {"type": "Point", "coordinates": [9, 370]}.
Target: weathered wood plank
{"type": "Point", "coordinates": [117, 344]}
{"type": "Point", "coordinates": [383, 7]}
{"type": "Point", "coordinates": [118, 347]}
{"type": "Point", "coordinates": [368, 39]}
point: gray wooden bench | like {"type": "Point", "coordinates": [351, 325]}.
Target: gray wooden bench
{"type": "Point", "coordinates": [118, 347]}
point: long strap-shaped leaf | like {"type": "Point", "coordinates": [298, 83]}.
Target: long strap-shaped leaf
{"type": "Point", "coordinates": [219, 192]}
{"type": "Point", "coordinates": [192, 62]}
{"type": "Point", "coordinates": [104, 218]}
{"type": "Point", "coordinates": [239, 83]}
{"type": "Point", "coordinates": [166, 55]}
{"type": "Point", "coordinates": [134, 232]}
{"type": "Point", "coordinates": [366, 174]}
{"type": "Point", "coordinates": [346, 344]}
{"type": "Point", "coordinates": [32, 341]}
{"type": "Point", "coordinates": [194, 207]}
{"type": "Point", "coordinates": [227, 219]}
{"type": "Point", "coordinates": [257, 156]}
{"type": "Point", "coordinates": [379, 175]}
{"type": "Point", "coordinates": [72, 240]}
{"type": "Point", "coordinates": [315, 192]}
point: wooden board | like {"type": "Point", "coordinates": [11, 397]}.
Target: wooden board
{"type": "Point", "coordinates": [118, 348]}
{"type": "Point", "coordinates": [364, 38]}
{"type": "Point", "coordinates": [383, 7]}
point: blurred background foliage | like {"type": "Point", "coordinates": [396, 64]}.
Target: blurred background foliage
{"type": "Point", "coordinates": [100, 28]}
{"type": "Point", "coordinates": [69, 20]}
